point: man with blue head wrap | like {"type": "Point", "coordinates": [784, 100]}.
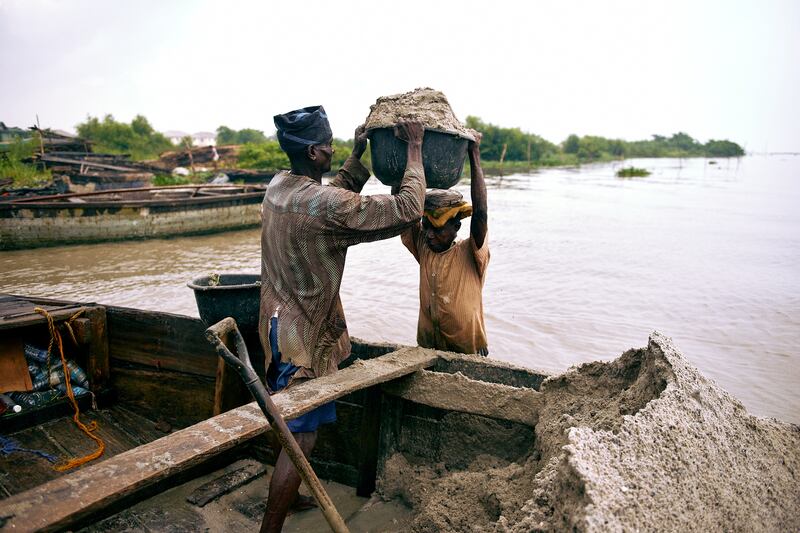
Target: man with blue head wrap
{"type": "Point", "coordinates": [306, 230]}
{"type": "Point", "coordinates": [299, 129]}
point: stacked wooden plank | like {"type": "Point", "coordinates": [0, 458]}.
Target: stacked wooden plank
{"type": "Point", "coordinates": [51, 141]}
{"type": "Point", "coordinates": [200, 155]}
{"type": "Point", "coordinates": [88, 171]}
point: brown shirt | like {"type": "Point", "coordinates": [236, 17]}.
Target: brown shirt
{"type": "Point", "coordinates": [450, 293]}
{"type": "Point", "coordinates": [306, 230]}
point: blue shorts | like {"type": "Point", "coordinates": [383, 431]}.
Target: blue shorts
{"type": "Point", "coordinates": [278, 376]}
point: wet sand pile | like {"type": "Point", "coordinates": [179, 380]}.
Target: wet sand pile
{"type": "Point", "coordinates": [644, 442]}
{"type": "Point", "coordinates": [425, 105]}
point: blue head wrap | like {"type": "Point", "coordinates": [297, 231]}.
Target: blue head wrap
{"type": "Point", "coordinates": [303, 127]}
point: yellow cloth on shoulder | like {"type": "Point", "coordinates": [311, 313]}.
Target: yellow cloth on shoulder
{"type": "Point", "coordinates": [438, 217]}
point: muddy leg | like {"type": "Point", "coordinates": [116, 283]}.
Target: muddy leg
{"type": "Point", "coordinates": [284, 484]}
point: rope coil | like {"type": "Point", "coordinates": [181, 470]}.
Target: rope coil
{"type": "Point", "coordinates": [55, 339]}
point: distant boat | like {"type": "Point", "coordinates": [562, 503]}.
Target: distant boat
{"type": "Point", "coordinates": [121, 214]}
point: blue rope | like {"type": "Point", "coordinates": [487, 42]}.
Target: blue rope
{"type": "Point", "coordinates": [9, 446]}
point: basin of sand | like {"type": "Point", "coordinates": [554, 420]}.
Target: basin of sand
{"type": "Point", "coordinates": [425, 105]}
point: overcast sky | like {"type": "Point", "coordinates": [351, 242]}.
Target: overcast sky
{"type": "Point", "coordinates": [727, 69]}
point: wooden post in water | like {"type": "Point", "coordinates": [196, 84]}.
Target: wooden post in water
{"type": "Point", "coordinates": [529, 156]}
{"type": "Point", "coordinates": [502, 157]}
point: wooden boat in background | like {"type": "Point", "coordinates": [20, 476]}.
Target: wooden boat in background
{"type": "Point", "coordinates": [173, 417]}
{"type": "Point", "coordinates": [121, 214]}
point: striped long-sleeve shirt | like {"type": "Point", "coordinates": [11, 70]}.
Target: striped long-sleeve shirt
{"type": "Point", "coordinates": [306, 230]}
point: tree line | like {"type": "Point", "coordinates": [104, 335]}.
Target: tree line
{"type": "Point", "coordinates": [522, 146]}
{"type": "Point", "coordinates": [138, 138]}
{"type": "Point", "coordinates": [511, 144]}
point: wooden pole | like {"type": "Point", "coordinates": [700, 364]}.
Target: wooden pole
{"type": "Point", "coordinates": [529, 156]}
{"type": "Point", "coordinates": [39, 131]}
{"type": "Point", "coordinates": [191, 156]}
{"type": "Point", "coordinates": [502, 157]}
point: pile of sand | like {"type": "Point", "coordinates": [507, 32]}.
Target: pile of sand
{"type": "Point", "coordinates": [644, 442]}
{"type": "Point", "coordinates": [425, 105]}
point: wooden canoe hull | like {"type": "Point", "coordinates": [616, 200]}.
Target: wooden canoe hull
{"type": "Point", "coordinates": [34, 224]}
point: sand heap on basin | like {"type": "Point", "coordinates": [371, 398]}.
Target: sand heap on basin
{"type": "Point", "coordinates": [425, 105]}
{"type": "Point", "coordinates": [644, 443]}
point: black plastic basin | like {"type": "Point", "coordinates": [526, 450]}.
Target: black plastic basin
{"type": "Point", "coordinates": [443, 155]}
{"type": "Point", "coordinates": [236, 295]}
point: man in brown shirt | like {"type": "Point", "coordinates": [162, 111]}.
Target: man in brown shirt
{"type": "Point", "coordinates": [452, 274]}
{"type": "Point", "coordinates": [306, 230]}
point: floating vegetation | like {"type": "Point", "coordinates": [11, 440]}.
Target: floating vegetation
{"type": "Point", "coordinates": [632, 172]}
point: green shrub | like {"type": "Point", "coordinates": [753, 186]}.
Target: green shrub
{"type": "Point", "coordinates": [138, 138]}
{"type": "Point", "coordinates": [226, 136]}
{"type": "Point", "coordinates": [516, 141]}
{"type": "Point", "coordinates": [267, 156]}
{"type": "Point", "coordinates": [715, 148]}
{"type": "Point", "coordinates": [22, 174]}
{"type": "Point", "coordinates": [164, 180]}
{"type": "Point", "coordinates": [632, 172]}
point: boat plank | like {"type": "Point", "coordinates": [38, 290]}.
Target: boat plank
{"type": "Point", "coordinates": [457, 392]}
{"type": "Point", "coordinates": [97, 364]}
{"type": "Point", "coordinates": [20, 471]}
{"type": "Point", "coordinates": [139, 428]}
{"type": "Point", "coordinates": [229, 389]}
{"type": "Point", "coordinates": [360, 375]}
{"type": "Point", "coordinates": [30, 317]}
{"type": "Point", "coordinates": [369, 442]}
{"type": "Point", "coordinates": [225, 483]}
{"type": "Point", "coordinates": [78, 495]}
{"type": "Point", "coordinates": [492, 370]}
{"type": "Point", "coordinates": [160, 340]}
{"type": "Point", "coordinates": [62, 439]}
{"type": "Point", "coordinates": [174, 397]}
{"type": "Point", "coordinates": [85, 163]}
{"type": "Point", "coordinates": [77, 444]}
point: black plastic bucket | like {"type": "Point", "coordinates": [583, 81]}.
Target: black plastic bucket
{"type": "Point", "coordinates": [443, 155]}
{"type": "Point", "coordinates": [234, 295]}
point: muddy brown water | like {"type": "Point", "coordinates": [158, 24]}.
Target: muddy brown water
{"type": "Point", "coordinates": [584, 266]}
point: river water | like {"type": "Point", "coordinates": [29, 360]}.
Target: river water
{"type": "Point", "coordinates": [584, 266]}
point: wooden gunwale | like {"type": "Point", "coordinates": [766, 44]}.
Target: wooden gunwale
{"type": "Point", "coordinates": [60, 201]}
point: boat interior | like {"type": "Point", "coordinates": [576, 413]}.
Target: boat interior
{"type": "Point", "coordinates": [186, 448]}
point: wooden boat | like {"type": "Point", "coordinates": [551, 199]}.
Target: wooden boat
{"type": "Point", "coordinates": [173, 417]}
{"type": "Point", "coordinates": [121, 214]}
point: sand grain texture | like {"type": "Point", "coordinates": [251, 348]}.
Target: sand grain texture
{"type": "Point", "coordinates": [644, 442]}
{"type": "Point", "coordinates": [425, 105]}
